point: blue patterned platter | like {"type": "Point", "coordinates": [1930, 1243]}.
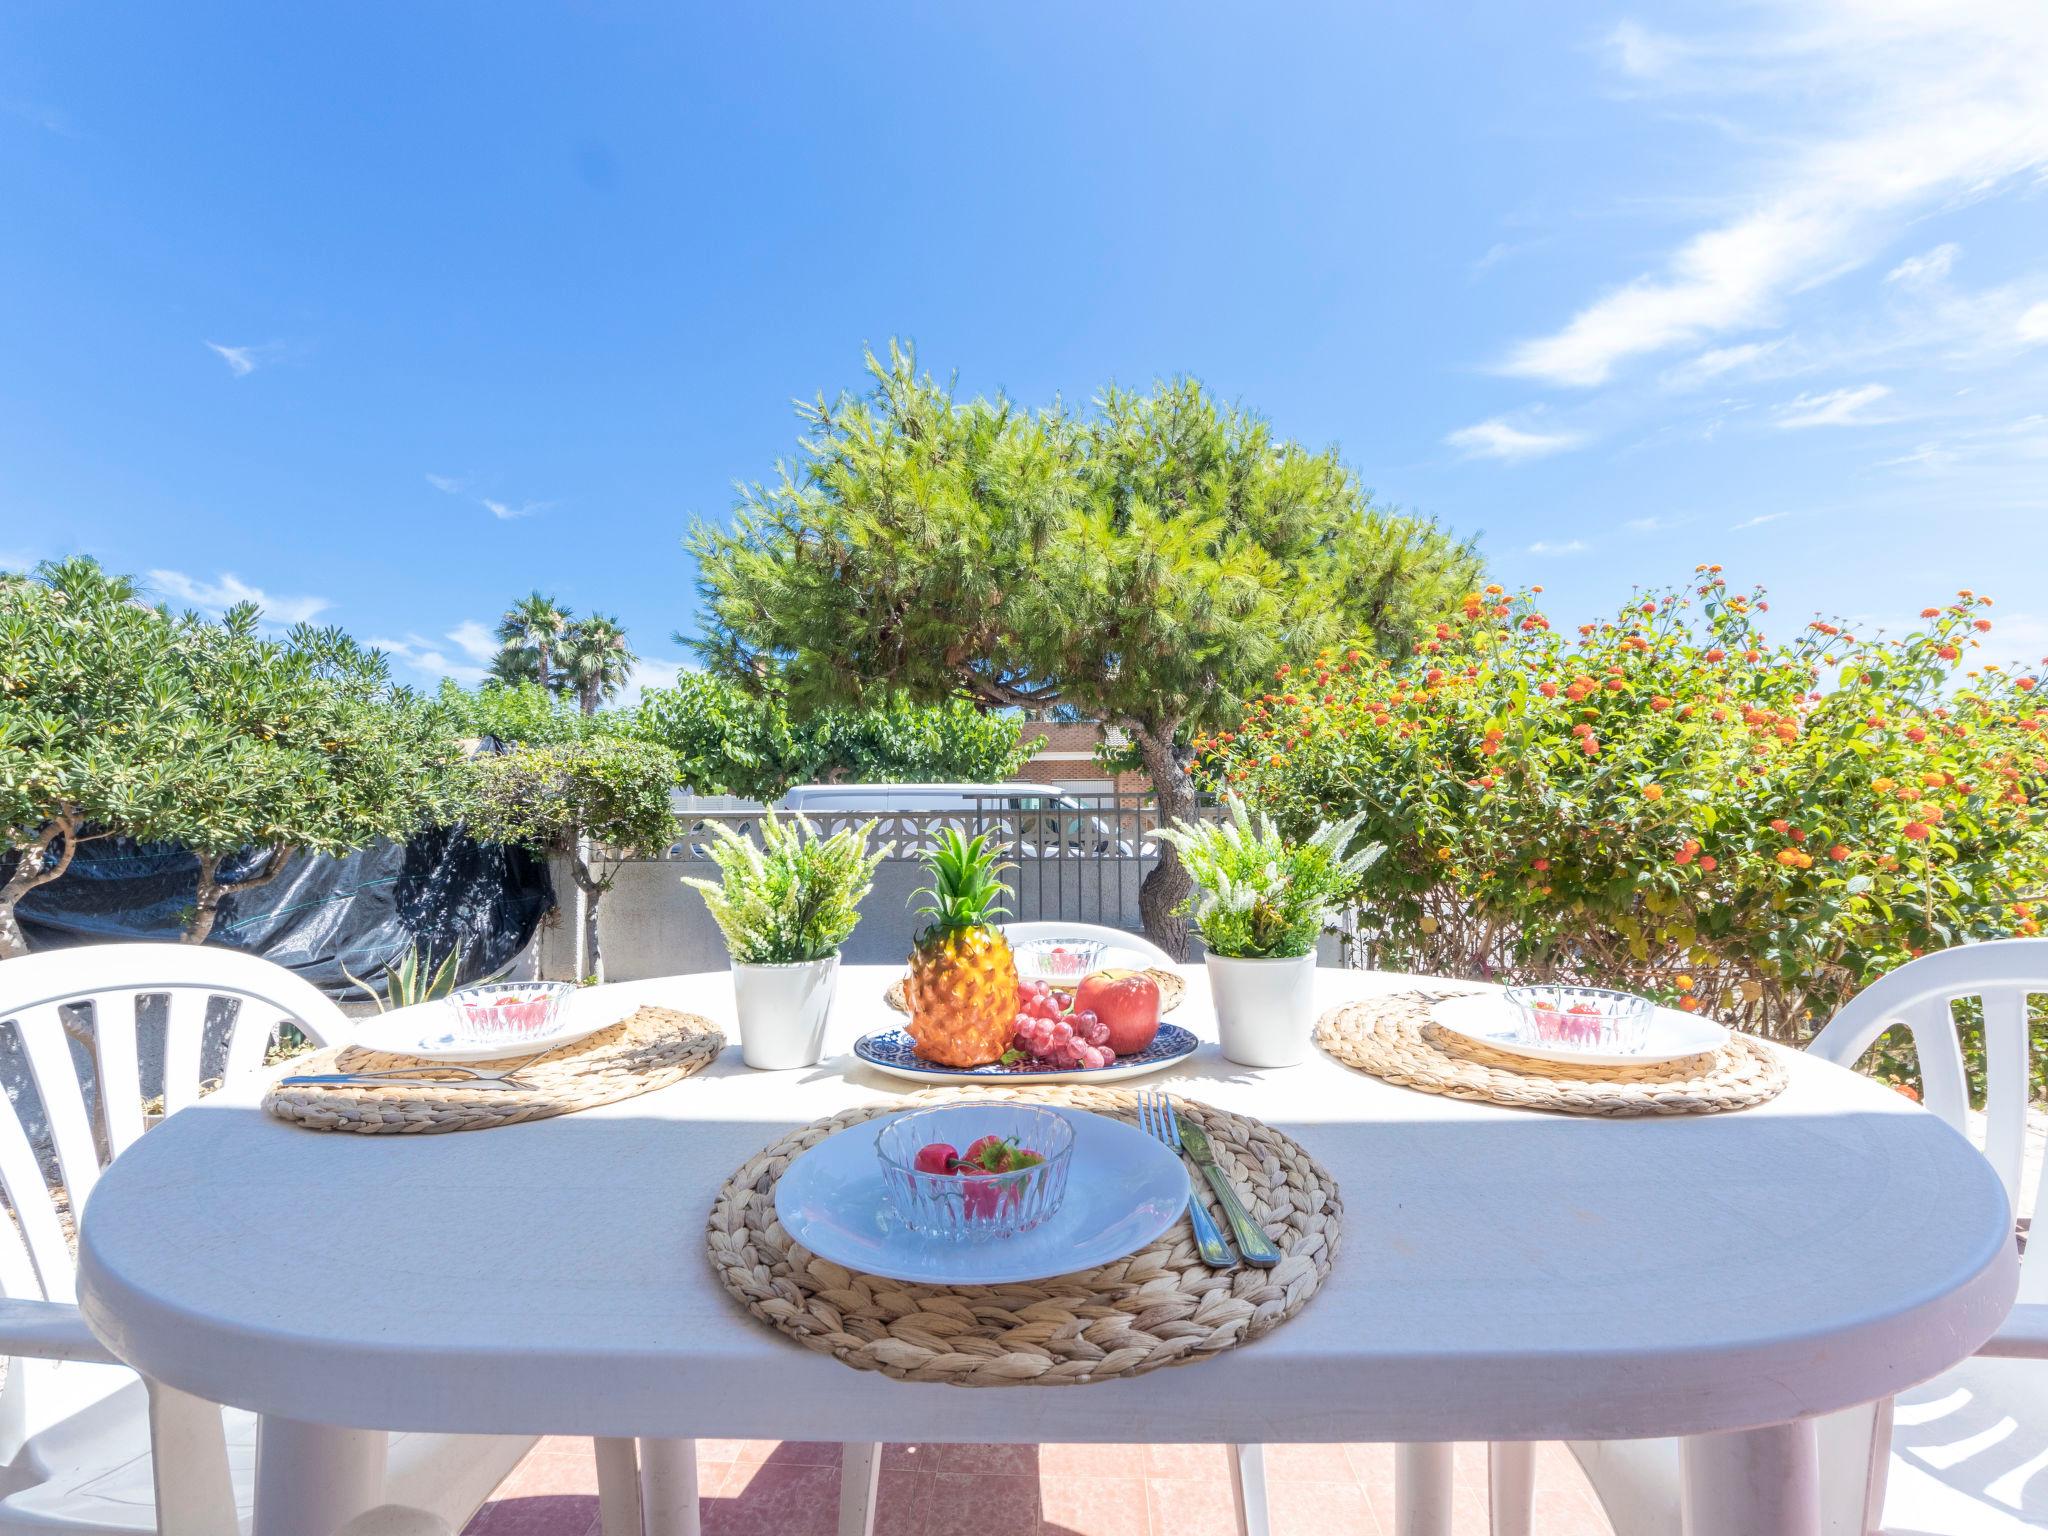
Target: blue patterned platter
{"type": "Point", "coordinates": [894, 1052]}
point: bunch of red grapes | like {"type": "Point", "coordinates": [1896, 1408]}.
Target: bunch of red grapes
{"type": "Point", "coordinates": [1050, 1035]}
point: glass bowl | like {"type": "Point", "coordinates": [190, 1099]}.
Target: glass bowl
{"type": "Point", "coordinates": [506, 1012]}
{"type": "Point", "coordinates": [1064, 961]}
{"type": "Point", "coordinates": [1590, 1018]}
{"type": "Point", "coordinates": [967, 1207]}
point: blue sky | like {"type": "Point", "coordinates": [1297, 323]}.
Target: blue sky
{"type": "Point", "coordinates": [391, 313]}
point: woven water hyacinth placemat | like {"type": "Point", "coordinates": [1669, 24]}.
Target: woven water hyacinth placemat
{"type": "Point", "coordinates": [650, 1049]}
{"type": "Point", "coordinates": [1394, 1037]}
{"type": "Point", "coordinates": [1171, 990]}
{"type": "Point", "coordinates": [1160, 1306]}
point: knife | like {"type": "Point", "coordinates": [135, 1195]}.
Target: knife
{"type": "Point", "coordinates": [1256, 1247]}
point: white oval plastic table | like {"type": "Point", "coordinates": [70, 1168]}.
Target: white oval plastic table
{"type": "Point", "coordinates": [1502, 1275]}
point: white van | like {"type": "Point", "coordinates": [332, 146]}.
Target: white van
{"type": "Point", "coordinates": [1041, 818]}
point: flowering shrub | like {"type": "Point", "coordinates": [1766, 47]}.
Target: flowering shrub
{"type": "Point", "coordinates": [1669, 801]}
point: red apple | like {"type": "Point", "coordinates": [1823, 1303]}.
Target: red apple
{"type": "Point", "coordinates": [1126, 1001]}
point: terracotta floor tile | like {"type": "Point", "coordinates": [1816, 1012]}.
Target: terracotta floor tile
{"type": "Point", "coordinates": [1191, 1507]}
{"type": "Point", "coordinates": [903, 1502]}
{"type": "Point", "coordinates": [1322, 1509]}
{"type": "Point", "coordinates": [1187, 1461]}
{"type": "Point", "coordinates": [1308, 1464]}
{"type": "Point", "coordinates": [1090, 1461]}
{"type": "Point", "coordinates": [770, 1500]}
{"type": "Point", "coordinates": [1092, 1506]}
{"type": "Point", "coordinates": [1370, 1463]}
{"type": "Point", "coordinates": [909, 1458]}
{"type": "Point", "coordinates": [545, 1472]}
{"type": "Point", "coordinates": [1006, 1460]}
{"type": "Point", "coordinates": [542, 1515]}
{"type": "Point", "coordinates": [1562, 1511]}
{"type": "Point", "coordinates": [981, 1504]}
{"type": "Point", "coordinates": [786, 1453]}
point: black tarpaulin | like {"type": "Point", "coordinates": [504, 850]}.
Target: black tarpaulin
{"type": "Point", "coordinates": [362, 912]}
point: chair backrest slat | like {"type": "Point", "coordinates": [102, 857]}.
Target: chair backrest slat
{"type": "Point", "coordinates": [2007, 1085]}
{"type": "Point", "coordinates": [48, 1049]}
{"type": "Point", "coordinates": [115, 1026]}
{"type": "Point", "coordinates": [184, 1035]}
{"type": "Point", "coordinates": [28, 1191]}
{"type": "Point", "coordinates": [1944, 1083]}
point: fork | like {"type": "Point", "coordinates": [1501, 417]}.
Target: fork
{"type": "Point", "coordinates": [1155, 1116]}
{"type": "Point", "coordinates": [472, 1077]}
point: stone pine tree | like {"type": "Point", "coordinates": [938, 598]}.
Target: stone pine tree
{"type": "Point", "coordinates": [1147, 563]}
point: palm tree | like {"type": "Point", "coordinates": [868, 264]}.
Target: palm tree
{"type": "Point", "coordinates": [596, 661]}
{"type": "Point", "coordinates": [532, 635]}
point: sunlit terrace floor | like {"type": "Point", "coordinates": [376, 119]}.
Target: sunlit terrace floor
{"type": "Point", "coordinates": [771, 1488]}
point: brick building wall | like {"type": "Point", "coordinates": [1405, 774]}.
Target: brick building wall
{"type": "Point", "coordinates": [1068, 760]}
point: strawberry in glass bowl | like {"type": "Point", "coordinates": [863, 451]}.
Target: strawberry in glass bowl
{"type": "Point", "coordinates": [1586, 1018]}
{"type": "Point", "coordinates": [506, 1012]}
{"type": "Point", "coordinates": [1011, 1176]}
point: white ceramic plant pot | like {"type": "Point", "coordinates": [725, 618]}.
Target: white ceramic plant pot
{"type": "Point", "coordinates": [1265, 1009]}
{"type": "Point", "coordinates": [782, 1011]}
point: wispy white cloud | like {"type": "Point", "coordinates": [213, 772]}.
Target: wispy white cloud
{"type": "Point", "coordinates": [1565, 547]}
{"type": "Point", "coordinates": [428, 658]}
{"type": "Point", "coordinates": [2033, 323]}
{"type": "Point", "coordinates": [241, 361]}
{"type": "Point", "coordinates": [1718, 362]}
{"type": "Point", "coordinates": [218, 596]}
{"type": "Point", "coordinates": [504, 511]}
{"type": "Point", "coordinates": [1836, 408]}
{"type": "Point", "coordinates": [476, 640]}
{"type": "Point", "coordinates": [1758, 521]}
{"type": "Point", "coordinates": [1896, 107]}
{"type": "Point", "coordinates": [17, 560]}
{"type": "Point", "coordinates": [652, 672]}
{"type": "Point", "coordinates": [1495, 439]}
{"type": "Point", "coordinates": [1928, 267]}
{"type": "Point", "coordinates": [1654, 524]}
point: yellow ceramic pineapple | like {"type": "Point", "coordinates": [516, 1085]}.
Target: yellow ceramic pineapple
{"type": "Point", "coordinates": [963, 982]}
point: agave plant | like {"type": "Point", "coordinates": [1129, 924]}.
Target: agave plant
{"type": "Point", "coordinates": [796, 897]}
{"type": "Point", "coordinates": [1258, 896]}
{"type": "Point", "coordinates": [414, 979]}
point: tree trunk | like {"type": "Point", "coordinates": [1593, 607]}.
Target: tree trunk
{"type": "Point", "coordinates": [206, 904]}
{"type": "Point", "coordinates": [593, 890]}
{"type": "Point", "coordinates": [1173, 788]}
{"type": "Point", "coordinates": [36, 867]}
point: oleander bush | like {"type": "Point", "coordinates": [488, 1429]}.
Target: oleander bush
{"type": "Point", "coordinates": [1671, 801]}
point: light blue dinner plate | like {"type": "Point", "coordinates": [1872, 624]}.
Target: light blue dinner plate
{"type": "Point", "coordinates": [1123, 1190]}
{"type": "Point", "coordinates": [894, 1052]}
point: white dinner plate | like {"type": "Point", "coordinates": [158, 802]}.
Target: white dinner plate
{"type": "Point", "coordinates": [1487, 1018]}
{"type": "Point", "coordinates": [1123, 1190]}
{"type": "Point", "coordinates": [427, 1030]}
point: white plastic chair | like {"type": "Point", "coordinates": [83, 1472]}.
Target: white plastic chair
{"type": "Point", "coordinates": [1116, 938]}
{"type": "Point", "coordinates": [1967, 1453]}
{"type": "Point", "coordinates": [85, 1444]}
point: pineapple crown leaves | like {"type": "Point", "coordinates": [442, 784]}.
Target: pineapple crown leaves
{"type": "Point", "coordinates": [794, 898]}
{"type": "Point", "coordinates": [966, 882]}
{"type": "Point", "coordinates": [1259, 896]}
